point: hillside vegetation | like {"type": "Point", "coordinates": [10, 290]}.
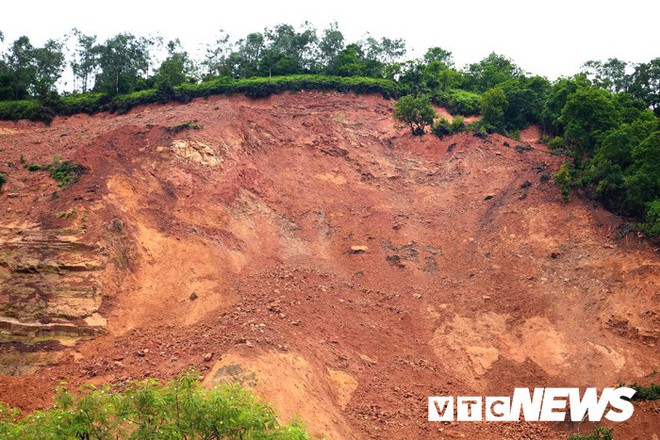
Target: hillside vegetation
{"type": "Point", "coordinates": [605, 117]}
{"type": "Point", "coordinates": [180, 409]}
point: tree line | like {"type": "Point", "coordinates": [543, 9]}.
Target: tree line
{"type": "Point", "coordinates": [605, 117]}
{"type": "Point", "coordinates": [126, 63]}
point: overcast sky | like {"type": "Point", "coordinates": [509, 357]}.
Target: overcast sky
{"type": "Point", "coordinates": [551, 38]}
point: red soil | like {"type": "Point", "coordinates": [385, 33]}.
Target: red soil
{"type": "Point", "coordinates": [476, 279]}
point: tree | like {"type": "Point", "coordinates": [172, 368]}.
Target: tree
{"type": "Point", "coordinates": [610, 75]}
{"type": "Point", "coordinates": [439, 55]}
{"type": "Point", "coordinates": [348, 62]}
{"type": "Point", "coordinates": [48, 64]}
{"type": "Point", "coordinates": [491, 71]}
{"type": "Point", "coordinates": [415, 111]}
{"type": "Point", "coordinates": [124, 61]}
{"type": "Point", "coordinates": [588, 115]}
{"type": "Point", "coordinates": [330, 45]}
{"type": "Point", "coordinates": [20, 67]}
{"type": "Point", "coordinates": [493, 107]}
{"type": "Point", "coordinates": [217, 61]}
{"type": "Point", "coordinates": [645, 84]}
{"type": "Point", "coordinates": [174, 70]}
{"type": "Point", "coordinates": [85, 60]}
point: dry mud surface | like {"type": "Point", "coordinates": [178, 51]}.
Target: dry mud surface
{"type": "Point", "coordinates": [307, 248]}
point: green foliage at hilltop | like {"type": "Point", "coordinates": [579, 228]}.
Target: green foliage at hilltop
{"type": "Point", "coordinates": [180, 409]}
{"type": "Point", "coordinates": [604, 118]}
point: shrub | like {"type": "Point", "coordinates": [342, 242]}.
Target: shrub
{"type": "Point", "coordinates": [461, 102]}
{"type": "Point", "coordinates": [3, 180]}
{"type": "Point", "coordinates": [600, 433]}
{"type": "Point", "coordinates": [442, 128]}
{"type": "Point", "coordinates": [64, 173]}
{"type": "Point", "coordinates": [493, 106]}
{"type": "Point", "coordinates": [556, 143]}
{"type": "Point", "coordinates": [651, 392]}
{"type": "Point", "coordinates": [564, 180]}
{"type": "Point", "coordinates": [188, 125]}
{"type": "Point", "coordinates": [480, 129]}
{"type": "Point", "coordinates": [457, 125]}
{"type": "Point", "coordinates": [32, 110]}
{"type": "Point", "coordinates": [414, 111]}
{"type": "Point", "coordinates": [149, 409]}
{"type": "Point", "coordinates": [260, 87]}
{"type": "Point", "coordinates": [652, 224]}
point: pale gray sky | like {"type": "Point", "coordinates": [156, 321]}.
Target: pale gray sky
{"type": "Point", "coordinates": [551, 38]}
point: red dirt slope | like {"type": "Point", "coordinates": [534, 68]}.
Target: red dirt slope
{"type": "Point", "coordinates": [303, 246]}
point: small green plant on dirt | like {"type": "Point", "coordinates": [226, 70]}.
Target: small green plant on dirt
{"type": "Point", "coordinates": [188, 125]}
{"type": "Point", "coordinates": [564, 180]}
{"type": "Point", "coordinates": [150, 410]}
{"type": "Point", "coordinates": [64, 173]}
{"type": "Point", "coordinates": [443, 127]}
{"type": "Point", "coordinates": [600, 433]}
{"type": "Point", "coordinates": [3, 180]}
{"type": "Point", "coordinates": [651, 392]}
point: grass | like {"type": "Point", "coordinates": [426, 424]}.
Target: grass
{"type": "Point", "coordinates": [64, 173]}
{"type": "Point", "coordinates": [651, 392]}
{"type": "Point", "coordinates": [600, 433]}
{"type": "Point", "coordinates": [255, 88]}
{"type": "Point", "coordinates": [188, 125]}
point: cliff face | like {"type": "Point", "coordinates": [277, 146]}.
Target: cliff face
{"type": "Point", "coordinates": [306, 247]}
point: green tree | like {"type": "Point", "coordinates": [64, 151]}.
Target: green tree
{"type": "Point", "coordinates": [610, 75]}
{"type": "Point", "coordinates": [416, 112]}
{"type": "Point", "coordinates": [175, 69]}
{"type": "Point", "coordinates": [645, 84]}
{"type": "Point", "coordinates": [439, 55]}
{"type": "Point", "coordinates": [20, 67]}
{"type": "Point", "coordinates": [330, 45]}
{"type": "Point", "coordinates": [493, 107]}
{"type": "Point", "coordinates": [48, 64]}
{"type": "Point", "coordinates": [124, 62]}
{"type": "Point", "coordinates": [588, 115]}
{"type": "Point", "coordinates": [217, 60]}
{"type": "Point", "coordinates": [85, 60]}
{"type": "Point", "coordinates": [349, 62]}
{"type": "Point", "coordinates": [491, 71]}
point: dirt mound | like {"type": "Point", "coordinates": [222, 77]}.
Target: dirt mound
{"type": "Point", "coordinates": [304, 246]}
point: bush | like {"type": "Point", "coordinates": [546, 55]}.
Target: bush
{"type": "Point", "coordinates": [461, 102]}
{"type": "Point", "coordinates": [556, 143]}
{"type": "Point", "coordinates": [32, 110]}
{"type": "Point", "coordinates": [565, 181]}
{"type": "Point", "coordinates": [652, 224]}
{"type": "Point", "coordinates": [3, 180]}
{"type": "Point", "coordinates": [443, 127]}
{"type": "Point", "coordinates": [64, 173]}
{"type": "Point", "coordinates": [260, 87]}
{"type": "Point", "coordinates": [188, 125]}
{"type": "Point", "coordinates": [493, 107]}
{"type": "Point", "coordinates": [600, 433]}
{"type": "Point", "coordinates": [457, 125]}
{"type": "Point", "coordinates": [149, 409]}
{"type": "Point", "coordinates": [651, 392]}
{"type": "Point", "coordinates": [416, 112]}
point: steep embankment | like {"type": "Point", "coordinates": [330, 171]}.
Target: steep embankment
{"type": "Point", "coordinates": [304, 246]}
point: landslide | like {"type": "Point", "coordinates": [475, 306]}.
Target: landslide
{"type": "Point", "coordinates": [307, 248]}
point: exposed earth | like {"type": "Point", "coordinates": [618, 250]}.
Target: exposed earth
{"type": "Point", "coordinates": [306, 247]}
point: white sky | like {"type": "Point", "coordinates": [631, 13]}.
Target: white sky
{"type": "Point", "coordinates": [550, 38]}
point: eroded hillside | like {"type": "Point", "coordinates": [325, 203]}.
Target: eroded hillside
{"type": "Point", "coordinates": [303, 245]}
